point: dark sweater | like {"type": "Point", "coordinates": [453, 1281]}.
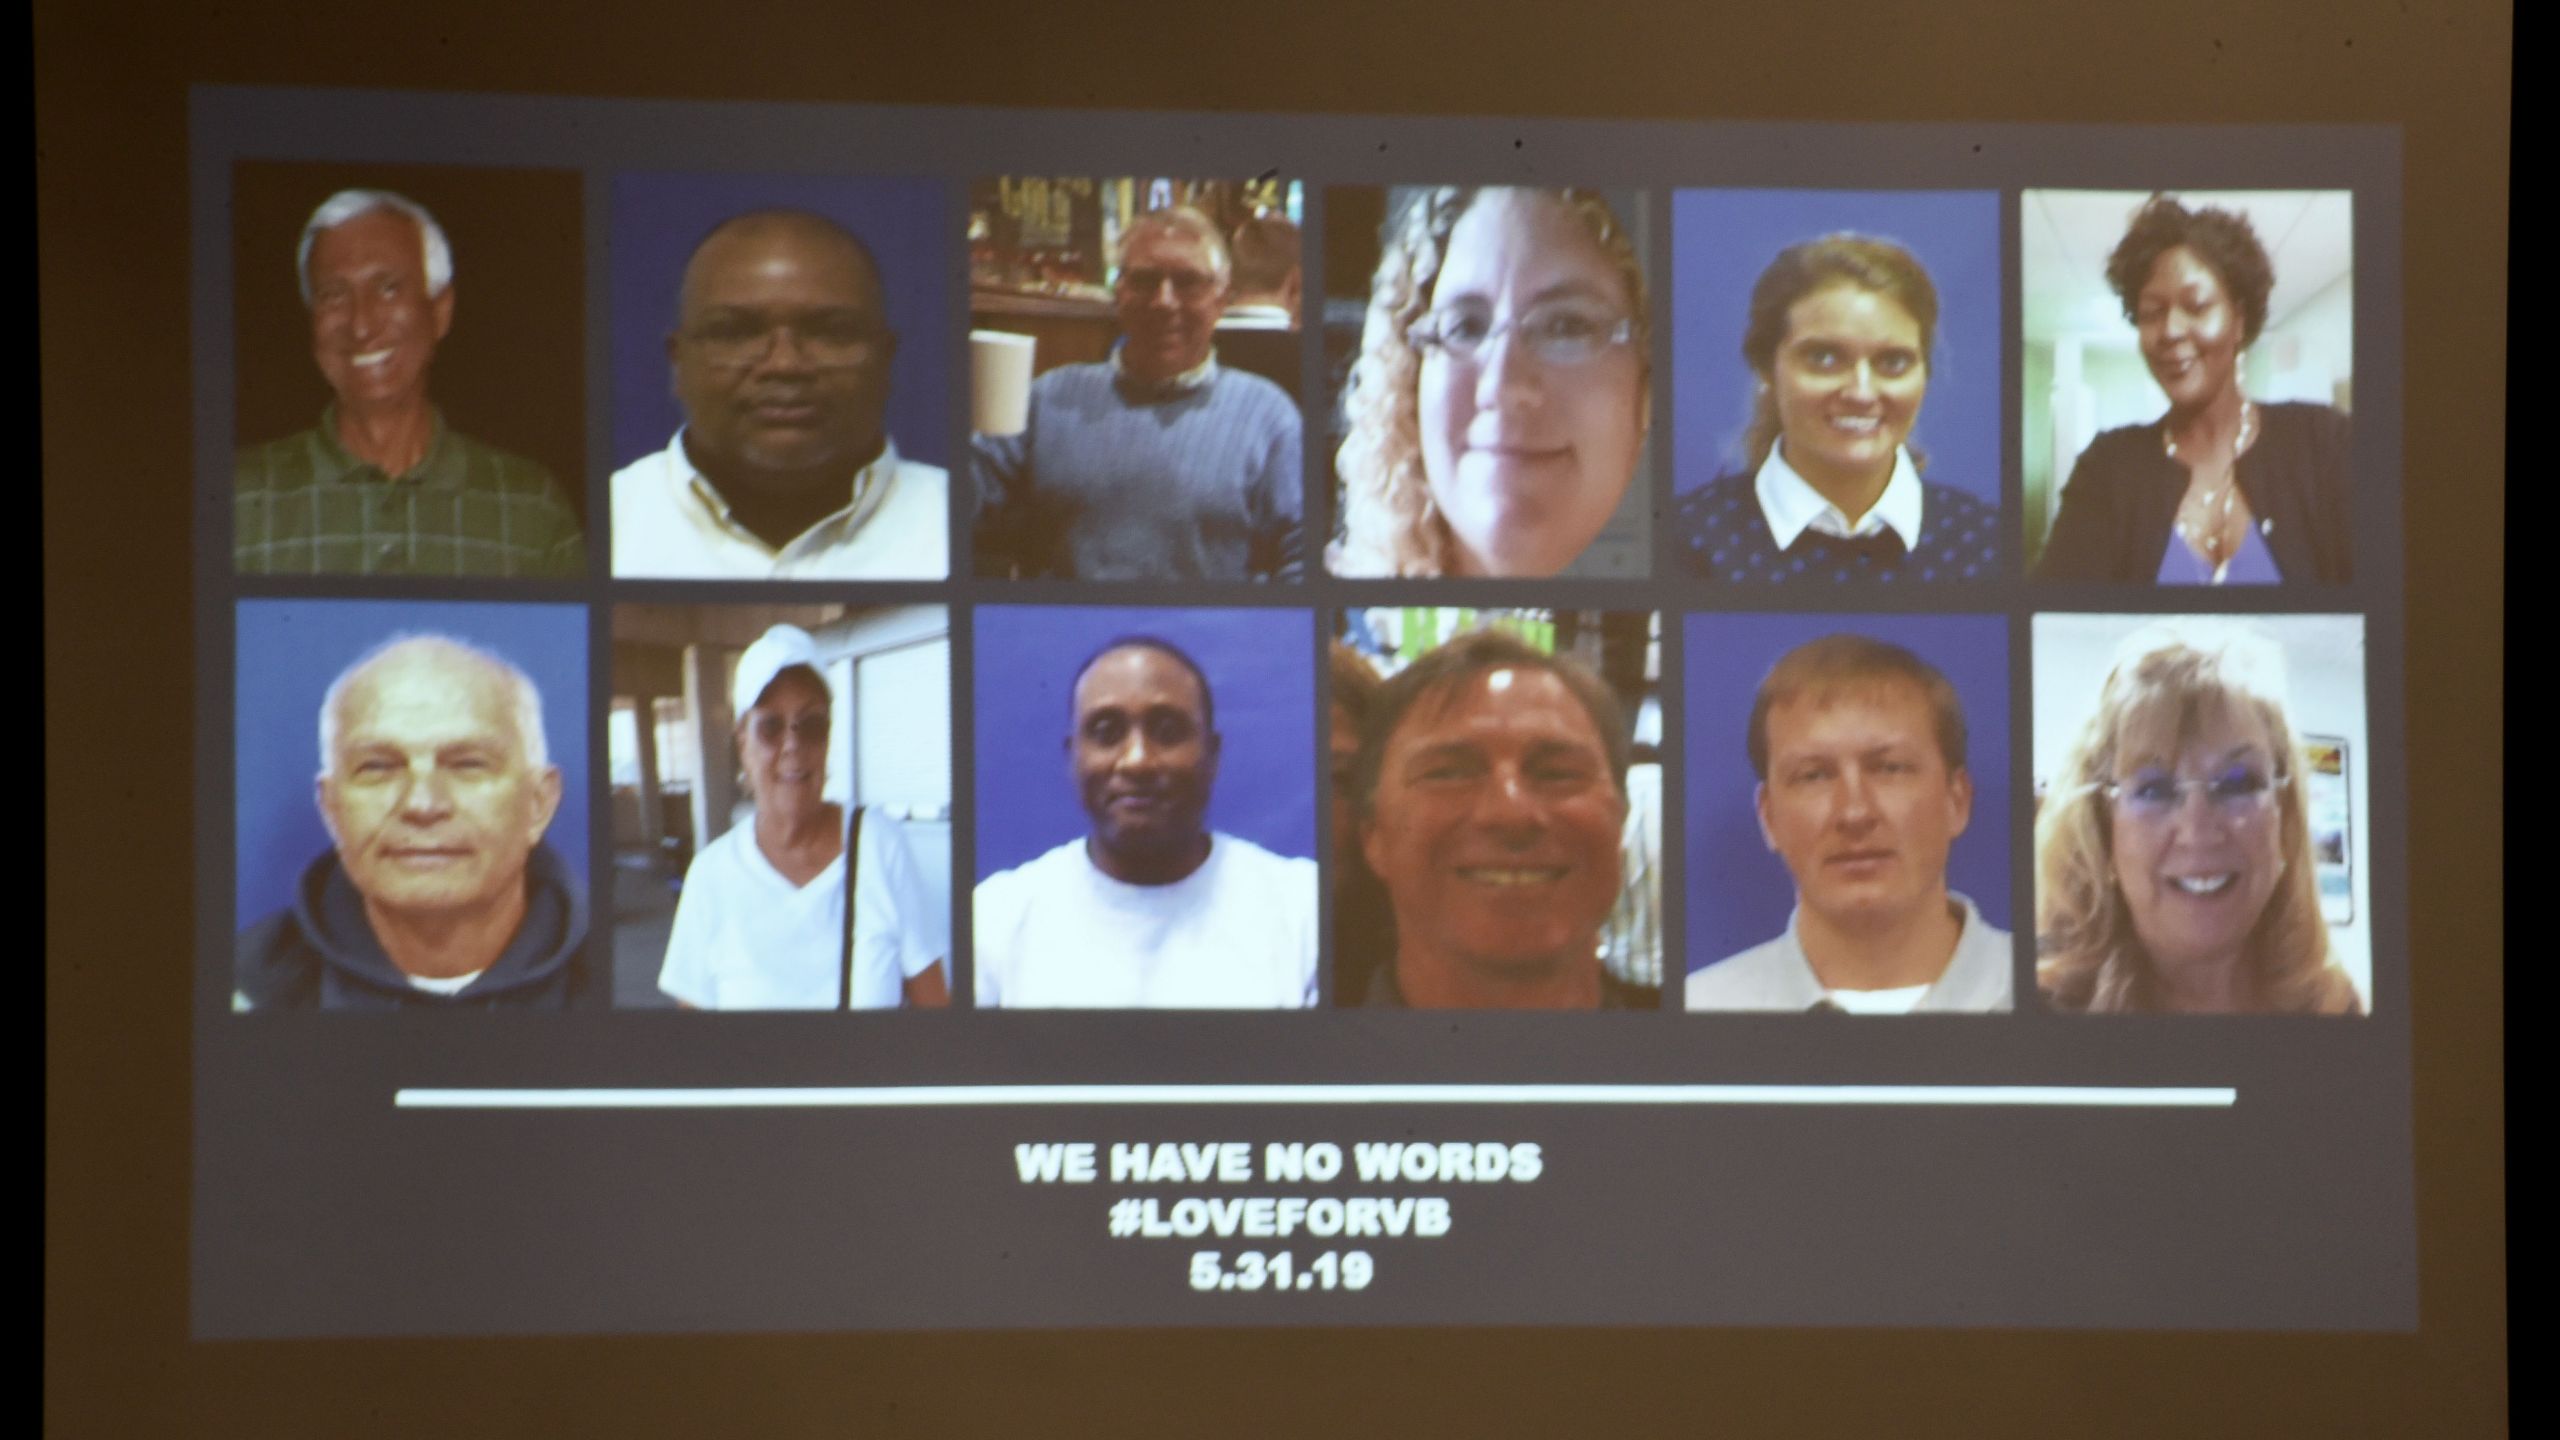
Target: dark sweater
{"type": "Point", "coordinates": [320, 952]}
{"type": "Point", "coordinates": [2122, 501]}
{"type": "Point", "coordinates": [1724, 537]}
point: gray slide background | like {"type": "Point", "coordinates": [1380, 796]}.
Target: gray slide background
{"type": "Point", "coordinates": [320, 1210]}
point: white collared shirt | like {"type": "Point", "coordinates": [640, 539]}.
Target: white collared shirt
{"type": "Point", "coordinates": [1191, 379]}
{"type": "Point", "coordinates": [1775, 975]}
{"type": "Point", "coordinates": [1792, 506]}
{"type": "Point", "coordinates": [670, 522]}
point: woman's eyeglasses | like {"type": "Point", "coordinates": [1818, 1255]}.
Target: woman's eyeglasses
{"type": "Point", "coordinates": [1556, 334]}
{"type": "Point", "coordinates": [769, 729]}
{"type": "Point", "coordinates": [2241, 792]}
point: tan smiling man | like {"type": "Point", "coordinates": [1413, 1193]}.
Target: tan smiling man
{"type": "Point", "coordinates": [382, 485]}
{"type": "Point", "coordinates": [436, 785]}
{"type": "Point", "coordinates": [1859, 746]}
{"type": "Point", "coordinates": [1491, 793]}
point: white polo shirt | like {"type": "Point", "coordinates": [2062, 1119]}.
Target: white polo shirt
{"type": "Point", "coordinates": [670, 523]}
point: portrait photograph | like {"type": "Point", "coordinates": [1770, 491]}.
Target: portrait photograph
{"type": "Point", "coordinates": [1848, 812]}
{"type": "Point", "coordinates": [409, 370]}
{"type": "Point", "coordinates": [1838, 387]}
{"type": "Point", "coordinates": [781, 363]}
{"type": "Point", "coordinates": [2187, 385]}
{"type": "Point", "coordinates": [2201, 809]}
{"type": "Point", "coordinates": [762, 758]}
{"type": "Point", "coordinates": [1497, 808]}
{"type": "Point", "coordinates": [1146, 814]}
{"type": "Point", "coordinates": [1489, 363]}
{"type": "Point", "coordinates": [410, 782]}
{"type": "Point", "coordinates": [1134, 377]}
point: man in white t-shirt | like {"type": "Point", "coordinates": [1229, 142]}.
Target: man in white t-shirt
{"type": "Point", "coordinates": [1149, 908]}
{"type": "Point", "coordinates": [1860, 750]}
{"type": "Point", "coordinates": [784, 470]}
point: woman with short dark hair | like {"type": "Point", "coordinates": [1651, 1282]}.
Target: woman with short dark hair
{"type": "Point", "coordinates": [2221, 490]}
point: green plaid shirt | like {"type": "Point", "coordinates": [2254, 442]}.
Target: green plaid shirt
{"type": "Point", "coordinates": [304, 505]}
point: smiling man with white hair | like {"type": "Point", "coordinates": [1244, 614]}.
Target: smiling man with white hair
{"type": "Point", "coordinates": [1157, 463]}
{"type": "Point", "coordinates": [436, 785]}
{"type": "Point", "coordinates": [382, 485]}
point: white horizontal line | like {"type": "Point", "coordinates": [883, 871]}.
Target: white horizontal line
{"type": "Point", "coordinates": [891, 1097]}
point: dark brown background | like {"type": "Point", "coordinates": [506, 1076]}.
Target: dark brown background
{"type": "Point", "coordinates": [512, 372]}
{"type": "Point", "coordinates": [112, 228]}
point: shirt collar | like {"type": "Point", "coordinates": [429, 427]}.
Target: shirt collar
{"type": "Point", "coordinates": [1977, 967]}
{"type": "Point", "coordinates": [1792, 506]}
{"type": "Point", "coordinates": [1182, 384]}
{"type": "Point", "coordinates": [870, 484]}
{"type": "Point", "coordinates": [337, 462]}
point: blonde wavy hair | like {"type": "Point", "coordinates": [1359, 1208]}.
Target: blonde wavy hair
{"type": "Point", "coordinates": [2166, 681]}
{"type": "Point", "coordinates": [1390, 524]}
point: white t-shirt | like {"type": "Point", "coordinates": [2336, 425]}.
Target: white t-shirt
{"type": "Point", "coordinates": [1239, 933]}
{"type": "Point", "coordinates": [746, 938]}
{"type": "Point", "coordinates": [669, 523]}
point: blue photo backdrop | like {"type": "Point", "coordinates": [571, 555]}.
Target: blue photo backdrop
{"type": "Point", "coordinates": [658, 219]}
{"type": "Point", "coordinates": [1739, 892]}
{"type": "Point", "coordinates": [1261, 670]}
{"type": "Point", "coordinates": [289, 651]}
{"type": "Point", "coordinates": [1722, 239]}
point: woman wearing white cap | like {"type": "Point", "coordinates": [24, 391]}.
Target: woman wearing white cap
{"type": "Point", "coordinates": [762, 922]}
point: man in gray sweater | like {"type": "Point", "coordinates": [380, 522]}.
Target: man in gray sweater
{"type": "Point", "coordinates": [1156, 464]}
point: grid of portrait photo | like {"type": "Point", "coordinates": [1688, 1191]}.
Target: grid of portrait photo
{"type": "Point", "coordinates": [704, 588]}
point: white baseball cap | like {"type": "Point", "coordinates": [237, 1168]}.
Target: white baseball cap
{"type": "Point", "coordinates": [775, 651]}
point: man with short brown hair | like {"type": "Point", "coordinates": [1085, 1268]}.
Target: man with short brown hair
{"type": "Point", "coordinates": [1491, 790]}
{"type": "Point", "coordinates": [1860, 750]}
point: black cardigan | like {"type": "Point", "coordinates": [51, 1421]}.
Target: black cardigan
{"type": "Point", "coordinates": [2122, 501]}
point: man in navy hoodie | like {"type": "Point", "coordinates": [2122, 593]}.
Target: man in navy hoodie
{"type": "Point", "coordinates": [436, 785]}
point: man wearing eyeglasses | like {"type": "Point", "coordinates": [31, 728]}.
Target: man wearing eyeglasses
{"type": "Point", "coordinates": [1157, 464]}
{"type": "Point", "coordinates": [1860, 750]}
{"type": "Point", "coordinates": [785, 469]}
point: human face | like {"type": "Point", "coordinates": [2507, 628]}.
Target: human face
{"type": "Point", "coordinates": [1861, 805]}
{"type": "Point", "coordinates": [781, 356]}
{"type": "Point", "coordinates": [1143, 756]}
{"type": "Point", "coordinates": [2189, 329]}
{"type": "Point", "coordinates": [2196, 878]}
{"type": "Point", "coordinates": [1526, 460]}
{"type": "Point", "coordinates": [1849, 378]}
{"type": "Point", "coordinates": [428, 795]}
{"type": "Point", "coordinates": [1495, 825]}
{"type": "Point", "coordinates": [782, 744]}
{"type": "Point", "coordinates": [1170, 296]}
{"type": "Point", "coordinates": [374, 328]}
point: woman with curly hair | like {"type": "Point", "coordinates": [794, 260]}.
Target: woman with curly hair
{"type": "Point", "coordinates": [1499, 405]}
{"type": "Point", "coordinates": [2173, 853]}
{"type": "Point", "coordinates": [2222, 490]}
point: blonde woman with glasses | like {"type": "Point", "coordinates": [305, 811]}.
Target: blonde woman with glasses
{"type": "Point", "coordinates": [2173, 853]}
